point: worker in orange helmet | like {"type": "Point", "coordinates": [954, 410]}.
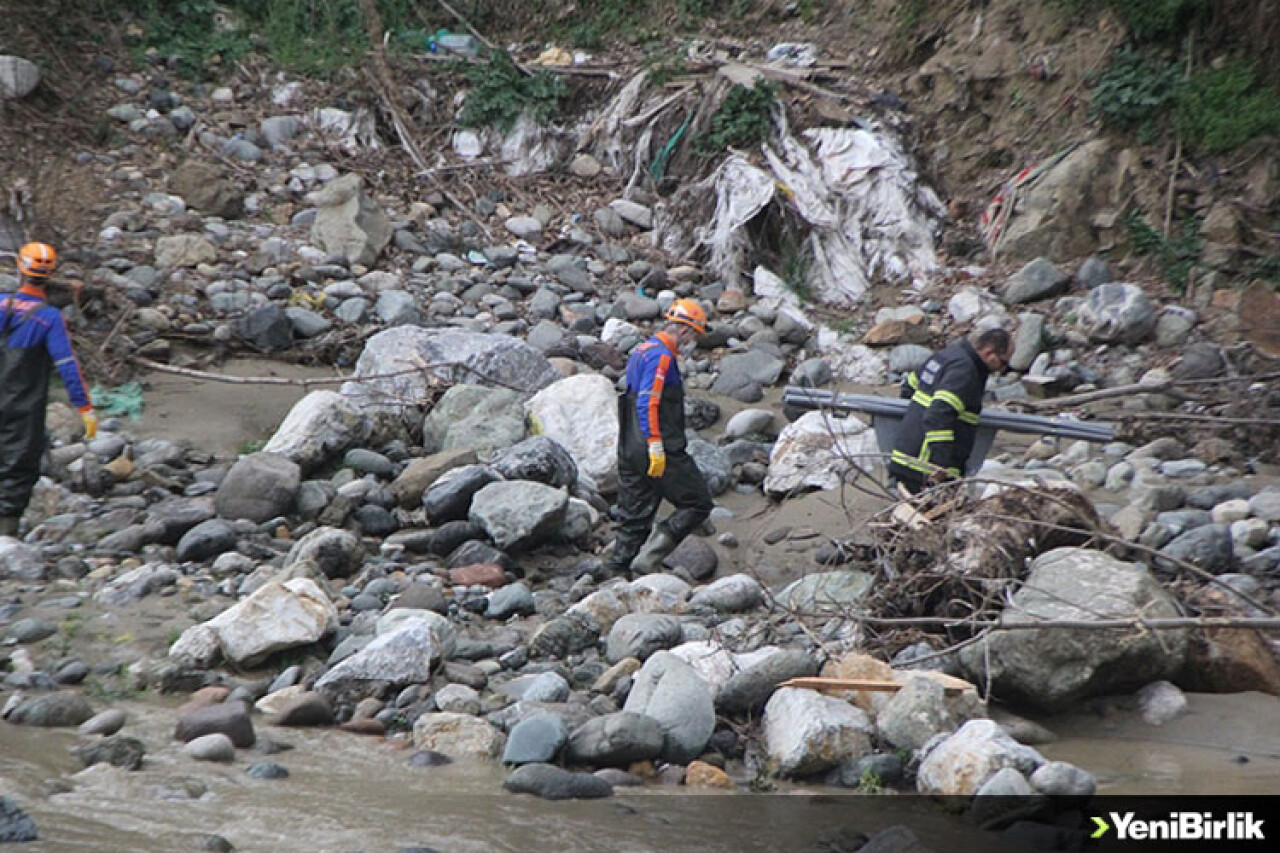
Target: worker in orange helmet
{"type": "Point", "coordinates": [653, 462]}
{"type": "Point", "coordinates": [33, 341]}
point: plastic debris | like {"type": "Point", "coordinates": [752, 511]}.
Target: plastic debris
{"type": "Point", "coordinates": [867, 211]}
{"type": "Point", "coordinates": [122, 401]}
{"type": "Point", "coordinates": [798, 54]}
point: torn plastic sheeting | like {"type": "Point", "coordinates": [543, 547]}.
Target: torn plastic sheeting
{"type": "Point", "coordinates": [741, 191]}
{"type": "Point", "coordinates": [856, 190]}
{"type": "Point", "coordinates": [355, 130]}
{"type": "Point", "coordinates": [529, 149]}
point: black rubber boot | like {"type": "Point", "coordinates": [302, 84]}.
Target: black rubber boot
{"type": "Point", "coordinates": [650, 558]}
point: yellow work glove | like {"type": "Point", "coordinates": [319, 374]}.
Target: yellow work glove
{"type": "Point", "coordinates": [657, 459]}
{"type": "Point", "coordinates": [90, 424]}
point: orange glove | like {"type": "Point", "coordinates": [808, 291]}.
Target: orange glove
{"type": "Point", "coordinates": [90, 424]}
{"type": "Point", "coordinates": [657, 459]}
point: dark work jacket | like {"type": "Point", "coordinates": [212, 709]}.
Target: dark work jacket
{"type": "Point", "coordinates": [652, 407]}
{"type": "Point", "coordinates": [941, 421]}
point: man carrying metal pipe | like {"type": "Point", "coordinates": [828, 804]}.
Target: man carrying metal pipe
{"type": "Point", "coordinates": [941, 421]}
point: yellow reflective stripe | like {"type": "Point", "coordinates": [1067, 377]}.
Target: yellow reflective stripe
{"type": "Point", "coordinates": [913, 381]}
{"type": "Point", "coordinates": [911, 462]}
{"type": "Point", "coordinates": [969, 417]}
{"type": "Point", "coordinates": [940, 435]}
{"type": "Point", "coordinates": [950, 399]}
{"type": "Point", "coordinates": [922, 399]}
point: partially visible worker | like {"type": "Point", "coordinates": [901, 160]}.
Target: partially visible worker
{"type": "Point", "coordinates": [33, 341]}
{"type": "Point", "coordinates": [653, 460]}
{"type": "Point", "coordinates": [937, 432]}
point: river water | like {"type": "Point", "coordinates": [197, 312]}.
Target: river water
{"type": "Point", "coordinates": [347, 792]}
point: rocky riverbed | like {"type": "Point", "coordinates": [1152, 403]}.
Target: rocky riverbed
{"type": "Point", "coordinates": [410, 567]}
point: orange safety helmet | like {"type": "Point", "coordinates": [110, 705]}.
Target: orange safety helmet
{"type": "Point", "coordinates": [37, 260]}
{"type": "Point", "coordinates": [689, 313]}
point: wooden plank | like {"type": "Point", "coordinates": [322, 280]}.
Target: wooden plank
{"type": "Point", "coordinates": [819, 683]}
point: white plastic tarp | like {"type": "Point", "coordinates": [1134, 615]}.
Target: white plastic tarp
{"type": "Point", "coordinates": [856, 189]}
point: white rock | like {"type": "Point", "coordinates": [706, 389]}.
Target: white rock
{"type": "Point", "coordinates": [317, 428]}
{"type": "Point", "coordinates": [961, 764]}
{"type": "Point", "coordinates": [275, 617]}
{"type": "Point", "coordinates": [806, 732]}
{"type": "Point", "coordinates": [459, 736]}
{"type": "Point", "coordinates": [18, 77]}
{"type": "Point", "coordinates": [581, 413]}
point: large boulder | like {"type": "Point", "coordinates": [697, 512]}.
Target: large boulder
{"type": "Point", "coordinates": [581, 414]}
{"type": "Point", "coordinates": [816, 451]}
{"type": "Point", "coordinates": [391, 660]}
{"type": "Point", "coordinates": [519, 513]}
{"type": "Point", "coordinates": [1117, 313]}
{"type": "Point", "coordinates": [669, 690]}
{"type": "Point", "coordinates": [963, 762]}
{"type": "Point", "coordinates": [400, 368]}
{"type": "Point", "coordinates": [204, 188]}
{"type": "Point", "coordinates": [473, 417]}
{"type": "Point", "coordinates": [259, 487]}
{"type": "Point", "coordinates": [349, 222]}
{"type": "Point", "coordinates": [1053, 668]}
{"type": "Point", "coordinates": [806, 733]}
{"type": "Point", "coordinates": [1054, 213]}
{"type": "Point", "coordinates": [318, 427]}
{"type": "Point", "coordinates": [275, 617]}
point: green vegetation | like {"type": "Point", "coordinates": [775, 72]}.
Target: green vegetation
{"type": "Point", "coordinates": [1135, 90]}
{"type": "Point", "coordinates": [1158, 20]}
{"type": "Point", "coordinates": [1268, 269]}
{"type": "Point", "coordinates": [1215, 109]}
{"type": "Point", "coordinates": [1175, 255]}
{"type": "Point", "coordinates": [115, 687]}
{"type": "Point", "coordinates": [870, 782]}
{"type": "Point", "coordinates": [745, 119]}
{"type": "Point", "coordinates": [1147, 90]}
{"type": "Point", "coordinates": [1220, 108]}
{"type": "Point", "coordinates": [500, 93]}
{"type": "Point", "coordinates": [303, 35]}
{"type": "Point", "coordinates": [795, 261]}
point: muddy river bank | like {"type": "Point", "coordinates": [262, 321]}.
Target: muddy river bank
{"type": "Point", "coordinates": [346, 792]}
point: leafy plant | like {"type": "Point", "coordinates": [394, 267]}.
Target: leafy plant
{"type": "Point", "coordinates": [1220, 109]}
{"type": "Point", "coordinates": [1175, 256]}
{"type": "Point", "coordinates": [870, 782]}
{"type": "Point", "coordinates": [500, 93]}
{"type": "Point", "coordinates": [1135, 90]}
{"type": "Point", "coordinates": [744, 119]}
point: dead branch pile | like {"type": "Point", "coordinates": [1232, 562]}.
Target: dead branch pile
{"type": "Point", "coordinates": [963, 563]}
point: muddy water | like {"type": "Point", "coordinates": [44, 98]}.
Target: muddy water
{"type": "Point", "coordinates": [347, 792]}
{"type": "Point", "coordinates": [1223, 744]}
